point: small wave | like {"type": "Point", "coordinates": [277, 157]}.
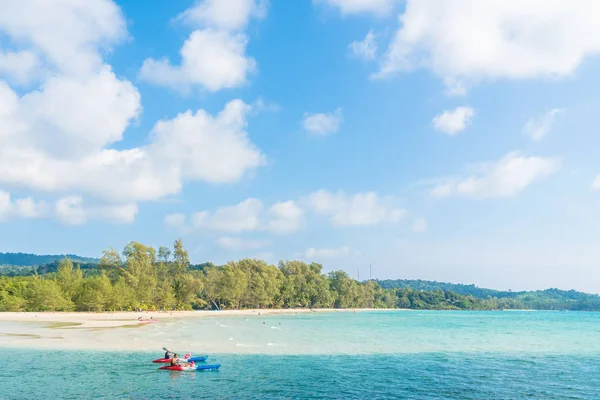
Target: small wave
{"type": "Point", "coordinates": [246, 345]}
{"type": "Point", "coordinates": [270, 344]}
{"type": "Point", "coordinates": [230, 338]}
{"type": "Point", "coordinates": [276, 327]}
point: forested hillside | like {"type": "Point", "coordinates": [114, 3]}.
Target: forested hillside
{"type": "Point", "coordinates": [25, 259]}
{"type": "Point", "coordinates": [549, 299]}
{"type": "Point", "coordinates": [143, 278]}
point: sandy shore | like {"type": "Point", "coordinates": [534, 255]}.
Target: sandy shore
{"type": "Point", "coordinates": [127, 318]}
{"type": "Point", "coordinates": [196, 331]}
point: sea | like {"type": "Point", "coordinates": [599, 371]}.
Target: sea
{"type": "Point", "coordinates": [340, 355]}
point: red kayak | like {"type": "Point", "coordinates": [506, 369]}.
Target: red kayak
{"type": "Point", "coordinates": [168, 360]}
{"type": "Point", "coordinates": [190, 367]}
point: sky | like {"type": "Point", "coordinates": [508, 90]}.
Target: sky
{"type": "Point", "coordinates": [450, 140]}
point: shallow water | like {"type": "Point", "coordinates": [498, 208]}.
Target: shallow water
{"type": "Point", "coordinates": [379, 332]}
{"type": "Point", "coordinates": [406, 355]}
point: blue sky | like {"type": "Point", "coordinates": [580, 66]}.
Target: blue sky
{"type": "Point", "coordinates": [453, 141]}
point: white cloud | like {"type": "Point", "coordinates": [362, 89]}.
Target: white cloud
{"type": "Point", "coordinates": [365, 49]}
{"type": "Point", "coordinates": [347, 7]}
{"type": "Point", "coordinates": [314, 253]}
{"type": "Point", "coordinates": [72, 210]}
{"type": "Point", "coordinates": [19, 67]}
{"type": "Point", "coordinates": [202, 147]}
{"type": "Point", "coordinates": [239, 244]}
{"type": "Point", "coordinates": [67, 33]}
{"type": "Point", "coordinates": [323, 124]}
{"type": "Point", "coordinates": [191, 146]}
{"type": "Point", "coordinates": [244, 216]}
{"type": "Point", "coordinates": [249, 215]}
{"type": "Point", "coordinates": [284, 217]}
{"type": "Point", "coordinates": [596, 183]}
{"type": "Point", "coordinates": [537, 128]}
{"type": "Point", "coordinates": [475, 40]}
{"type": "Point", "coordinates": [225, 14]}
{"type": "Point", "coordinates": [504, 178]}
{"type": "Point", "coordinates": [361, 209]}
{"type": "Point", "coordinates": [211, 59]}
{"type": "Point", "coordinates": [420, 225]}
{"type": "Point", "coordinates": [21, 207]}
{"type": "Point", "coordinates": [454, 121]}
{"type": "Point", "coordinates": [59, 138]}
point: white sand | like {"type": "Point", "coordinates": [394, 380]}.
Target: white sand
{"type": "Point", "coordinates": [125, 318]}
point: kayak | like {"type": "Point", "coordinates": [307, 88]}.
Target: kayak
{"type": "Point", "coordinates": [191, 367]}
{"type": "Point", "coordinates": [168, 360]}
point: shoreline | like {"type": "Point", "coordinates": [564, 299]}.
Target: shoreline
{"type": "Point", "coordinates": [115, 319]}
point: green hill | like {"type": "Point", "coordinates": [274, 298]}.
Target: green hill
{"type": "Point", "coordinates": [30, 260]}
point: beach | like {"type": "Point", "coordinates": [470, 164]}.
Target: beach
{"type": "Point", "coordinates": [125, 318]}
{"type": "Point", "coordinates": [132, 330]}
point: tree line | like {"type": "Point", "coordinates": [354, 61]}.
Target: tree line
{"type": "Point", "coordinates": [143, 278]}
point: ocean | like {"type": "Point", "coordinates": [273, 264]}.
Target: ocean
{"type": "Point", "coordinates": [365, 355]}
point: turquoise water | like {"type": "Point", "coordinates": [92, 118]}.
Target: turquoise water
{"type": "Point", "coordinates": [87, 375]}
{"type": "Point", "coordinates": [395, 355]}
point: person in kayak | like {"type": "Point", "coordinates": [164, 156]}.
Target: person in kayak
{"type": "Point", "coordinates": [175, 360]}
{"type": "Point", "coordinates": [169, 354]}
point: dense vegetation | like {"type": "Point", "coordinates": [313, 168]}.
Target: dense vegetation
{"type": "Point", "coordinates": [549, 299]}
{"type": "Point", "coordinates": [145, 279]}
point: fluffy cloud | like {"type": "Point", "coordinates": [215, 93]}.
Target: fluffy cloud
{"type": "Point", "coordinates": [239, 244]}
{"type": "Point", "coordinates": [313, 253]}
{"type": "Point", "coordinates": [72, 210]}
{"type": "Point", "coordinates": [225, 14]}
{"type": "Point", "coordinates": [285, 217]}
{"type": "Point", "coordinates": [475, 40]}
{"type": "Point", "coordinates": [454, 121]}
{"type": "Point", "coordinates": [213, 57]}
{"type": "Point", "coordinates": [251, 215]}
{"type": "Point", "coordinates": [504, 178]}
{"type": "Point", "coordinates": [347, 7]}
{"type": "Point", "coordinates": [361, 209]}
{"type": "Point", "coordinates": [59, 137]}
{"type": "Point", "coordinates": [191, 146]}
{"type": "Point", "coordinates": [19, 67]}
{"type": "Point", "coordinates": [67, 33]}
{"type": "Point", "coordinates": [323, 124]}
{"type": "Point", "coordinates": [365, 49]}
{"type": "Point", "coordinates": [246, 216]}
{"type": "Point", "coordinates": [21, 207]}
{"type": "Point", "coordinates": [537, 128]}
